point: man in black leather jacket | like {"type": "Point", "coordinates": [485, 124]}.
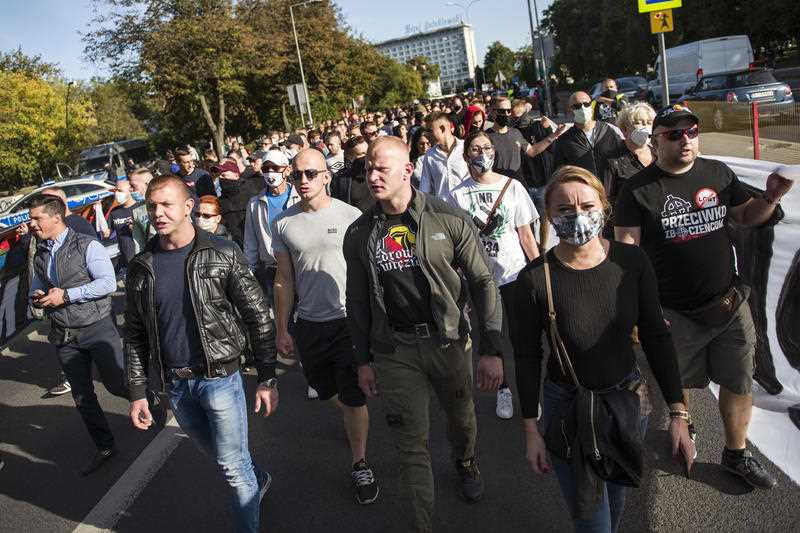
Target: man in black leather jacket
{"type": "Point", "coordinates": [190, 298]}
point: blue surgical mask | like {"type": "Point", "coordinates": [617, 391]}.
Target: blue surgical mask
{"type": "Point", "coordinates": [580, 228]}
{"type": "Point", "coordinates": [136, 195]}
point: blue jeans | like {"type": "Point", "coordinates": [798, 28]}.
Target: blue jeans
{"type": "Point", "coordinates": [213, 413]}
{"type": "Point", "coordinates": [537, 195]}
{"type": "Point", "coordinates": [607, 517]}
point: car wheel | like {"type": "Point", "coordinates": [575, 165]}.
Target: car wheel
{"type": "Point", "coordinates": [718, 119]}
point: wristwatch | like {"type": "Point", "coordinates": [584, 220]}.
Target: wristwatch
{"type": "Point", "coordinates": [271, 383]}
{"type": "Point", "coordinates": [66, 297]}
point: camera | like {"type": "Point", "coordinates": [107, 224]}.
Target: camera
{"type": "Point", "coordinates": [487, 228]}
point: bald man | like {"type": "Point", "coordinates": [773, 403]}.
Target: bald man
{"type": "Point", "coordinates": [405, 302]}
{"type": "Point", "coordinates": [307, 241]}
{"type": "Point", "coordinates": [590, 143]}
{"type": "Point", "coordinates": [178, 342]}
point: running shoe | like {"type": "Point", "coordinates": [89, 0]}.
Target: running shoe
{"type": "Point", "coordinates": [367, 488]}
{"type": "Point", "coordinates": [505, 404]}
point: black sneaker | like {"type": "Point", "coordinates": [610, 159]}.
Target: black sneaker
{"type": "Point", "coordinates": [471, 481]}
{"type": "Point", "coordinates": [744, 465]}
{"type": "Point", "coordinates": [367, 488]}
{"type": "Point", "coordinates": [62, 388]}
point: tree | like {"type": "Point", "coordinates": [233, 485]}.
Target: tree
{"type": "Point", "coordinates": [30, 66]}
{"type": "Point", "coordinates": [34, 135]}
{"type": "Point", "coordinates": [499, 58]}
{"type": "Point", "coordinates": [428, 71]}
{"type": "Point", "coordinates": [113, 113]}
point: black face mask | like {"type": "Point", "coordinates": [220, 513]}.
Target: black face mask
{"type": "Point", "coordinates": [501, 120]}
{"type": "Point", "coordinates": [610, 94]}
{"type": "Point", "coordinates": [358, 169]}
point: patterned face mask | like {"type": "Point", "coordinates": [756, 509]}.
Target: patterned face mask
{"type": "Point", "coordinates": [580, 228]}
{"type": "Point", "coordinates": [482, 163]}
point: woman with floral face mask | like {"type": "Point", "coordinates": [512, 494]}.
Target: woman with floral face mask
{"type": "Point", "coordinates": [503, 212]}
{"type": "Point", "coordinates": [600, 289]}
{"type": "Point", "coordinates": [636, 123]}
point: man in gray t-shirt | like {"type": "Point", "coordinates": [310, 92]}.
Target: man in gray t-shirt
{"type": "Point", "coordinates": [307, 241]}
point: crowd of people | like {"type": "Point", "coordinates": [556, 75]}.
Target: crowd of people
{"type": "Point", "coordinates": [377, 248]}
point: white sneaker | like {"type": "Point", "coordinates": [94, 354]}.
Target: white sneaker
{"type": "Point", "coordinates": [312, 393]}
{"type": "Point", "coordinates": [505, 404]}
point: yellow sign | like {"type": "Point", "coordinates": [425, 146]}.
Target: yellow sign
{"type": "Point", "coordinates": [646, 6]}
{"type": "Point", "coordinates": [661, 21]}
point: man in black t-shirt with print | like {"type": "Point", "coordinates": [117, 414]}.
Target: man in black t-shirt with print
{"type": "Point", "coordinates": [405, 297]}
{"type": "Point", "coordinates": [678, 210]}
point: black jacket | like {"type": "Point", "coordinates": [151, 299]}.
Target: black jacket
{"type": "Point", "coordinates": [233, 203]}
{"type": "Point", "coordinates": [573, 148]}
{"type": "Point", "coordinates": [227, 300]}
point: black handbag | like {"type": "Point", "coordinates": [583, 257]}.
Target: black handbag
{"type": "Point", "coordinates": [598, 427]}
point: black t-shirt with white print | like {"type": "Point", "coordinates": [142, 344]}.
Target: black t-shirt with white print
{"type": "Point", "coordinates": [406, 292]}
{"type": "Point", "coordinates": [683, 218]}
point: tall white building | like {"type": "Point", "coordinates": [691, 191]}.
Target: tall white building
{"type": "Point", "coordinates": [450, 47]}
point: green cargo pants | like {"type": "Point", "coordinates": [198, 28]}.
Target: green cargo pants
{"type": "Point", "coordinates": [405, 378]}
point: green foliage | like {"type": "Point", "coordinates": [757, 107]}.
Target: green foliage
{"type": "Point", "coordinates": [499, 58]}
{"type": "Point", "coordinates": [429, 71]}
{"type": "Point", "coordinates": [115, 119]}
{"type": "Point", "coordinates": [31, 66]}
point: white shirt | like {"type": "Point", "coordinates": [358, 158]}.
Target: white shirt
{"type": "Point", "coordinates": [443, 172]}
{"type": "Point", "coordinates": [506, 256]}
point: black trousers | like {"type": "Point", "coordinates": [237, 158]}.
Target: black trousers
{"type": "Point", "coordinates": [99, 344]}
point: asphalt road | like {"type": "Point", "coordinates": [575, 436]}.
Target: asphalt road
{"type": "Point", "coordinates": [303, 445]}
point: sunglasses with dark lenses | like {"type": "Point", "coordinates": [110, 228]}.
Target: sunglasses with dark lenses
{"type": "Point", "coordinates": [310, 174]}
{"type": "Point", "coordinates": [370, 134]}
{"type": "Point", "coordinates": [677, 135]}
{"type": "Point", "coordinates": [503, 111]}
{"type": "Point", "coordinates": [206, 215]}
{"type": "Point", "coordinates": [579, 105]}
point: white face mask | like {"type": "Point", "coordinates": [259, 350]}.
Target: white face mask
{"type": "Point", "coordinates": [583, 115]}
{"type": "Point", "coordinates": [206, 224]}
{"type": "Point", "coordinates": [121, 197]}
{"type": "Point", "coordinates": [274, 179]}
{"type": "Point", "coordinates": [640, 136]}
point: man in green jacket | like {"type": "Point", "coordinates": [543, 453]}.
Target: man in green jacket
{"type": "Point", "coordinates": [412, 263]}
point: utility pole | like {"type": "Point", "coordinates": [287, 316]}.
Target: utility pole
{"type": "Point", "coordinates": [548, 98]}
{"type": "Point", "coordinates": [300, 59]}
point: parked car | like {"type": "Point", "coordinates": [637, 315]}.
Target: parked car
{"type": "Point", "coordinates": [634, 88]}
{"type": "Point", "coordinates": [720, 94]}
{"type": "Point", "coordinates": [689, 62]}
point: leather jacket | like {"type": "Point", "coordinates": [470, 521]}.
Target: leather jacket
{"type": "Point", "coordinates": [227, 301]}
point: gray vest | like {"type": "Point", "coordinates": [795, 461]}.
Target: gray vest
{"type": "Point", "coordinates": [71, 272]}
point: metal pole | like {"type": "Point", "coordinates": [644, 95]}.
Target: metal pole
{"type": "Point", "coordinates": [547, 96]}
{"type": "Point", "coordinates": [664, 76]}
{"type": "Point", "coordinates": [300, 62]}
{"type": "Point", "coordinates": [66, 107]}
{"type": "Point", "coordinates": [299, 105]}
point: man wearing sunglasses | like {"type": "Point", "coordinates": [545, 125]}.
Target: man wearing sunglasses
{"type": "Point", "coordinates": [678, 210]}
{"type": "Point", "coordinates": [590, 143]}
{"type": "Point", "coordinates": [307, 240]}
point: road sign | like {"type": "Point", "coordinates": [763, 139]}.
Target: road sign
{"type": "Point", "coordinates": [297, 95]}
{"type": "Point", "coordinates": [646, 6]}
{"type": "Point", "coordinates": [661, 21]}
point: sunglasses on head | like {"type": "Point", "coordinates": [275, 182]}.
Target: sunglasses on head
{"type": "Point", "coordinates": [677, 135]}
{"type": "Point", "coordinates": [310, 174]}
{"type": "Point", "coordinates": [578, 105]}
{"type": "Point", "coordinates": [206, 215]}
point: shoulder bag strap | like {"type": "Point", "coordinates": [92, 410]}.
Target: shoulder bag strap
{"type": "Point", "coordinates": [555, 339]}
{"type": "Point", "coordinates": [498, 201]}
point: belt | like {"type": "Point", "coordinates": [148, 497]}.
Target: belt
{"type": "Point", "coordinates": [187, 372]}
{"type": "Point", "coordinates": [422, 330]}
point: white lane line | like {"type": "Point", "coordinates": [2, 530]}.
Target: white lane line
{"type": "Point", "coordinates": [116, 501]}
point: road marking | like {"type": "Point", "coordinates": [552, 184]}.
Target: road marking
{"type": "Point", "coordinates": [105, 515]}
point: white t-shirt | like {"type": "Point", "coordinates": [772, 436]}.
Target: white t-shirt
{"type": "Point", "coordinates": [506, 256]}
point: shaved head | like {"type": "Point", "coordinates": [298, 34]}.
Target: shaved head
{"type": "Point", "coordinates": [171, 181]}
{"type": "Point", "coordinates": [389, 145]}
{"type": "Point", "coordinates": [309, 157]}
{"type": "Point", "coordinates": [580, 95]}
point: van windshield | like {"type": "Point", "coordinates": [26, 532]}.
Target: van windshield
{"type": "Point", "coordinates": [758, 77]}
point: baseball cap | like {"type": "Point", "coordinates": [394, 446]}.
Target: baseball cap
{"type": "Point", "coordinates": [670, 116]}
{"type": "Point", "coordinates": [294, 139]}
{"type": "Point", "coordinates": [277, 158]}
{"type": "Point", "coordinates": [226, 166]}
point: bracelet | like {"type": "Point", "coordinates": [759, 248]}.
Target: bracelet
{"type": "Point", "coordinates": [683, 415]}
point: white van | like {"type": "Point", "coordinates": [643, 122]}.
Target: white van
{"type": "Point", "coordinates": [688, 62]}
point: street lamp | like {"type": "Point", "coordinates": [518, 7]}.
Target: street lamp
{"type": "Point", "coordinates": [466, 15]}
{"type": "Point", "coordinates": [547, 96]}
{"type": "Point", "coordinates": [299, 58]}
{"type": "Point", "coordinates": [66, 106]}
{"type": "Point", "coordinates": [464, 7]}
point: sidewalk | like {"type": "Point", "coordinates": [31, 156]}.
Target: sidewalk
{"type": "Point", "coordinates": [727, 144]}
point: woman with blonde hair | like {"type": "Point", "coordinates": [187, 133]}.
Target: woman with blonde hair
{"type": "Point", "coordinates": [636, 123]}
{"type": "Point", "coordinates": [587, 293]}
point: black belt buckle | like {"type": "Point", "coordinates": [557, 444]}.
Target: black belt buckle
{"type": "Point", "coordinates": [423, 331]}
{"type": "Point", "coordinates": [183, 373]}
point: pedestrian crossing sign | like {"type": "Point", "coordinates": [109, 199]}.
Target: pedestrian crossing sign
{"type": "Point", "coordinates": [646, 6]}
{"type": "Point", "coordinates": [661, 21]}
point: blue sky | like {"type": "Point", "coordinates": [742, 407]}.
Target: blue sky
{"type": "Point", "coordinates": [52, 28]}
